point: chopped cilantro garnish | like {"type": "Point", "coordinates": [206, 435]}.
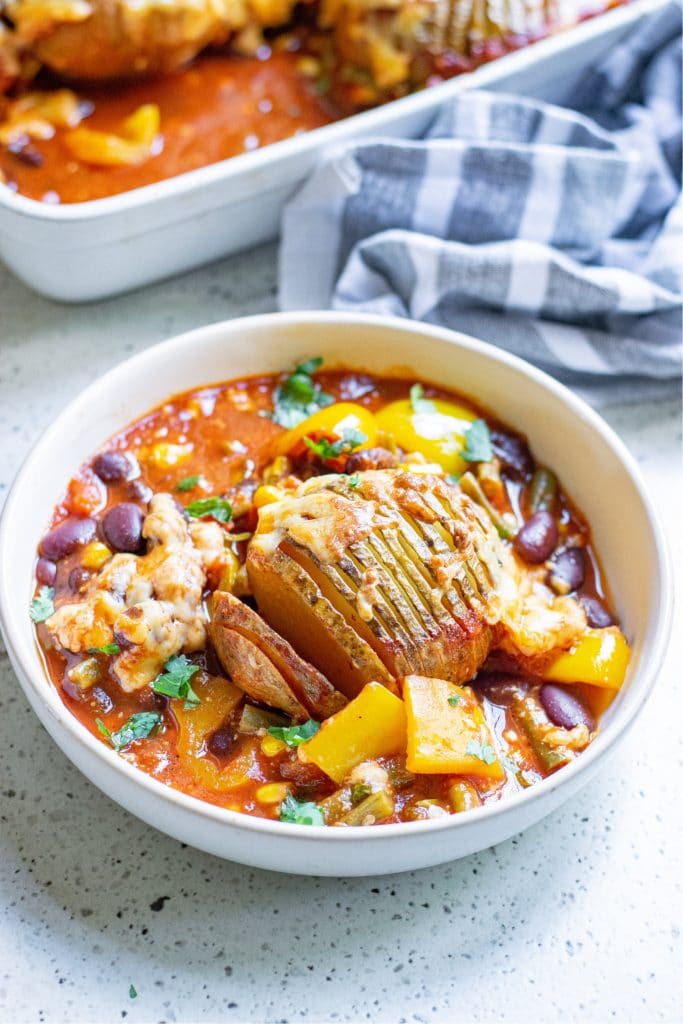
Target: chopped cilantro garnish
{"type": "Point", "coordinates": [348, 442]}
{"type": "Point", "coordinates": [42, 606]}
{"type": "Point", "coordinates": [309, 366]}
{"type": "Point", "coordinates": [300, 813]}
{"type": "Point", "coordinates": [187, 483]}
{"type": "Point", "coordinates": [454, 700]}
{"type": "Point", "coordinates": [354, 481]}
{"type": "Point", "coordinates": [418, 403]}
{"type": "Point", "coordinates": [294, 735]}
{"type": "Point", "coordinates": [298, 397]}
{"type": "Point", "coordinates": [102, 729]}
{"type": "Point", "coordinates": [216, 508]}
{"type": "Point", "coordinates": [138, 727]}
{"type": "Point", "coordinates": [133, 992]}
{"type": "Point", "coordinates": [482, 751]}
{"type": "Point", "coordinates": [452, 478]}
{"type": "Point", "coordinates": [478, 446]}
{"type": "Point", "coordinates": [105, 649]}
{"type": "Point", "coordinates": [175, 681]}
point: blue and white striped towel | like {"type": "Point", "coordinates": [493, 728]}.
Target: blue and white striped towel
{"type": "Point", "coordinates": [554, 233]}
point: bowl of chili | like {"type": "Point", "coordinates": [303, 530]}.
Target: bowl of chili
{"type": "Point", "coordinates": [202, 717]}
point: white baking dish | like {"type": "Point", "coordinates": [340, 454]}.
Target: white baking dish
{"type": "Point", "coordinates": [92, 250]}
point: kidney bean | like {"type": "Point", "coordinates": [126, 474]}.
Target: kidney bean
{"type": "Point", "coordinates": [111, 466]}
{"type": "Point", "coordinates": [223, 741]}
{"type": "Point", "coordinates": [66, 537]}
{"type": "Point", "coordinates": [78, 578]}
{"type": "Point", "coordinates": [122, 527]}
{"type": "Point", "coordinates": [514, 454]}
{"type": "Point", "coordinates": [597, 616]}
{"type": "Point", "coordinates": [46, 572]}
{"type": "Point", "coordinates": [537, 538]}
{"type": "Point", "coordinates": [563, 708]}
{"type": "Point", "coordinates": [370, 458]}
{"type": "Point", "coordinates": [568, 570]}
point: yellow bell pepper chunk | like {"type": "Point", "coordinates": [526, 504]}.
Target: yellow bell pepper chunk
{"type": "Point", "coordinates": [437, 431]}
{"type": "Point", "coordinates": [332, 421]}
{"type": "Point", "coordinates": [135, 144]}
{"type": "Point", "coordinates": [219, 698]}
{"type": "Point", "coordinates": [600, 657]}
{"type": "Point", "coordinates": [370, 726]}
{"type": "Point", "coordinates": [447, 731]}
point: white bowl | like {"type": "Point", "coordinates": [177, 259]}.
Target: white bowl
{"type": "Point", "coordinates": [594, 467]}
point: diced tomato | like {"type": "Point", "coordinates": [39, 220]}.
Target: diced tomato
{"type": "Point", "coordinates": [85, 494]}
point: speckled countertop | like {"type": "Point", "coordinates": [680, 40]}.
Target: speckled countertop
{"type": "Point", "coordinates": [576, 920]}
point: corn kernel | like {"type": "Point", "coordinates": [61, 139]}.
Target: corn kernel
{"type": "Point", "coordinates": [164, 455]}
{"type": "Point", "coordinates": [95, 555]}
{"type": "Point", "coordinates": [308, 66]}
{"type": "Point", "coordinates": [271, 746]}
{"type": "Point", "coordinates": [266, 494]}
{"type": "Point", "coordinates": [86, 673]}
{"type": "Point", "coordinates": [272, 792]}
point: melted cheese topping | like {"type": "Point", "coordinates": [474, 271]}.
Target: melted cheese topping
{"type": "Point", "coordinates": [151, 605]}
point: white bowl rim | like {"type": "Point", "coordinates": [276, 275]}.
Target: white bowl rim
{"type": "Point", "coordinates": [32, 675]}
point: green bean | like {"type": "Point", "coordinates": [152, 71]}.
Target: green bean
{"type": "Point", "coordinates": [536, 724]}
{"type": "Point", "coordinates": [378, 806]}
{"type": "Point", "coordinates": [542, 490]}
{"type": "Point", "coordinates": [254, 719]}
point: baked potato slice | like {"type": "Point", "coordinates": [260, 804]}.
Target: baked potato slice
{"type": "Point", "coordinates": [400, 570]}
{"type": "Point", "coordinates": [301, 685]}
{"type": "Point", "coordinates": [294, 605]}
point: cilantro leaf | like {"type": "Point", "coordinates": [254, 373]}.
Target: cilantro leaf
{"type": "Point", "coordinates": [324, 449]}
{"type": "Point", "coordinates": [42, 606]}
{"type": "Point", "coordinates": [133, 992]}
{"type": "Point", "coordinates": [418, 403]}
{"type": "Point", "coordinates": [102, 729]}
{"type": "Point", "coordinates": [309, 366]}
{"type": "Point", "coordinates": [187, 483]}
{"type": "Point", "coordinates": [354, 481]}
{"type": "Point", "coordinates": [175, 681]}
{"type": "Point", "coordinates": [294, 735]}
{"type": "Point", "coordinates": [478, 447]}
{"type": "Point", "coordinates": [105, 649]}
{"type": "Point", "coordinates": [454, 700]}
{"type": "Point", "coordinates": [138, 727]}
{"type": "Point", "coordinates": [297, 813]}
{"type": "Point", "coordinates": [482, 751]}
{"type": "Point", "coordinates": [298, 397]}
{"type": "Point", "coordinates": [216, 508]}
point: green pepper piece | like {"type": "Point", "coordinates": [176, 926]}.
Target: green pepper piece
{"type": "Point", "coordinates": [535, 723]}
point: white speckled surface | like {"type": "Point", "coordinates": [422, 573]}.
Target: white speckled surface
{"type": "Point", "coordinates": [577, 920]}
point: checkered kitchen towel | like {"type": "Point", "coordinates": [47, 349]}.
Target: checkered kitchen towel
{"type": "Point", "coordinates": [556, 234]}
